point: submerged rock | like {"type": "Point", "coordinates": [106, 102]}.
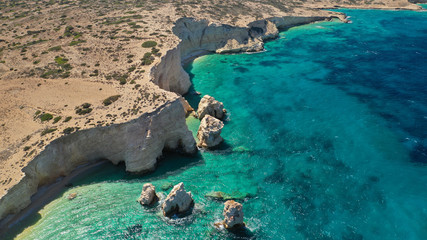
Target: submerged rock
{"type": "Point", "coordinates": [166, 186]}
{"type": "Point", "coordinates": [72, 196]}
{"type": "Point", "coordinates": [148, 194]}
{"type": "Point", "coordinates": [178, 201]}
{"type": "Point", "coordinates": [241, 149]}
{"type": "Point", "coordinates": [233, 215]}
{"type": "Point", "coordinates": [209, 106]}
{"type": "Point", "coordinates": [209, 133]}
{"type": "Point", "coordinates": [226, 196]}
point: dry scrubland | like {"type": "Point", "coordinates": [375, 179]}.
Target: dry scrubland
{"type": "Point", "coordinates": [72, 65]}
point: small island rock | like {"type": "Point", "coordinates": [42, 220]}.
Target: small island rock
{"type": "Point", "coordinates": [209, 133]}
{"type": "Point", "coordinates": [177, 201]}
{"type": "Point", "coordinates": [209, 106]}
{"type": "Point", "coordinates": [233, 214]}
{"type": "Point", "coordinates": [148, 194]}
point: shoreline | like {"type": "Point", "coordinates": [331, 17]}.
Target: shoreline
{"type": "Point", "coordinates": [48, 193]}
{"type": "Point", "coordinates": [52, 190]}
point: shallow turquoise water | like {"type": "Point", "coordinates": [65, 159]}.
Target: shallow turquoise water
{"type": "Point", "coordinates": [326, 133]}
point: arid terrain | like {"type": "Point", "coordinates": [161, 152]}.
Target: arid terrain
{"type": "Point", "coordinates": [72, 65]}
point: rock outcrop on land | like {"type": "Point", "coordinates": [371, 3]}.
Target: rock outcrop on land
{"type": "Point", "coordinates": [209, 133]}
{"type": "Point", "coordinates": [233, 214]}
{"type": "Point", "coordinates": [178, 201]}
{"type": "Point", "coordinates": [263, 29]}
{"type": "Point", "coordinates": [209, 106]}
{"type": "Point", "coordinates": [148, 195]}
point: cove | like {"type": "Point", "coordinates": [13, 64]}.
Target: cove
{"type": "Point", "coordinates": [326, 138]}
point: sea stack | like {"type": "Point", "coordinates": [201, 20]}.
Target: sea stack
{"type": "Point", "coordinates": [209, 133]}
{"type": "Point", "coordinates": [148, 195]}
{"type": "Point", "coordinates": [209, 106]}
{"type": "Point", "coordinates": [233, 214]}
{"type": "Point", "coordinates": [178, 201]}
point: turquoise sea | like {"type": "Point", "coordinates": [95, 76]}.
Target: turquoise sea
{"type": "Point", "coordinates": [326, 138]}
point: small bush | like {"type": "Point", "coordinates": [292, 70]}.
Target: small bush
{"type": "Point", "coordinates": [26, 148]}
{"type": "Point", "coordinates": [67, 119]}
{"type": "Point", "coordinates": [46, 117]}
{"type": "Point", "coordinates": [147, 59]}
{"type": "Point", "coordinates": [111, 99]}
{"type": "Point", "coordinates": [149, 44]}
{"type": "Point", "coordinates": [84, 109]}
{"type": "Point", "coordinates": [37, 113]}
{"type": "Point", "coordinates": [54, 49]}
{"type": "Point", "coordinates": [55, 120]}
{"type": "Point", "coordinates": [60, 60]}
{"type": "Point", "coordinates": [48, 130]}
{"type": "Point", "coordinates": [68, 130]}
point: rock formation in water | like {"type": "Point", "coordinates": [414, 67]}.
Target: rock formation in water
{"type": "Point", "coordinates": [138, 143]}
{"type": "Point", "coordinates": [178, 201]}
{"type": "Point", "coordinates": [209, 106]}
{"type": "Point", "coordinates": [148, 195]}
{"type": "Point", "coordinates": [233, 214]}
{"type": "Point", "coordinates": [209, 133]}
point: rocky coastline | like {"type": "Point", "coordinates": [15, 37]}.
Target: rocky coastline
{"type": "Point", "coordinates": [139, 142]}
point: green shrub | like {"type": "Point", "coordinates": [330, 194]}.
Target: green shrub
{"type": "Point", "coordinates": [55, 120]}
{"type": "Point", "coordinates": [84, 109]}
{"type": "Point", "coordinates": [110, 100]}
{"type": "Point", "coordinates": [60, 60]}
{"type": "Point", "coordinates": [149, 44]}
{"type": "Point", "coordinates": [67, 119]}
{"type": "Point", "coordinates": [68, 130]}
{"type": "Point", "coordinates": [46, 117]}
{"type": "Point", "coordinates": [68, 31]}
{"type": "Point", "coordinates": [147, 59]}
{"type": "Point", "coordinates": [26, 148]}
{"type": "Point", "coordinates": [54, 49]}
{"type": "Point", "coordinates": [48, 130]}
{"type": "Point", "coordinates": [37, 113]}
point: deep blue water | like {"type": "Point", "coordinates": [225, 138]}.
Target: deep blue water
{"type": "Point", "coordinates": [326, 134]}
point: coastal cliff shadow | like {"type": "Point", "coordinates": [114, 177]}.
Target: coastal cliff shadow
{"type": "Point", "coordinates": [170, 163]}
{"type": "Point", "coordinates": [19, 227]}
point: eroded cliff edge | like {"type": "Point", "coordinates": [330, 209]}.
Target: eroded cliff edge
{"type": "Point", "coordinates": [138, 143]}
{"type": "Point", "coordinates": [199, 37]}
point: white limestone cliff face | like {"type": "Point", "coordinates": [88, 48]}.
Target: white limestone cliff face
{"type": "Point", "coordinates": [138, 143]}
{"type": "Point", "coordinates": [200, 36]}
